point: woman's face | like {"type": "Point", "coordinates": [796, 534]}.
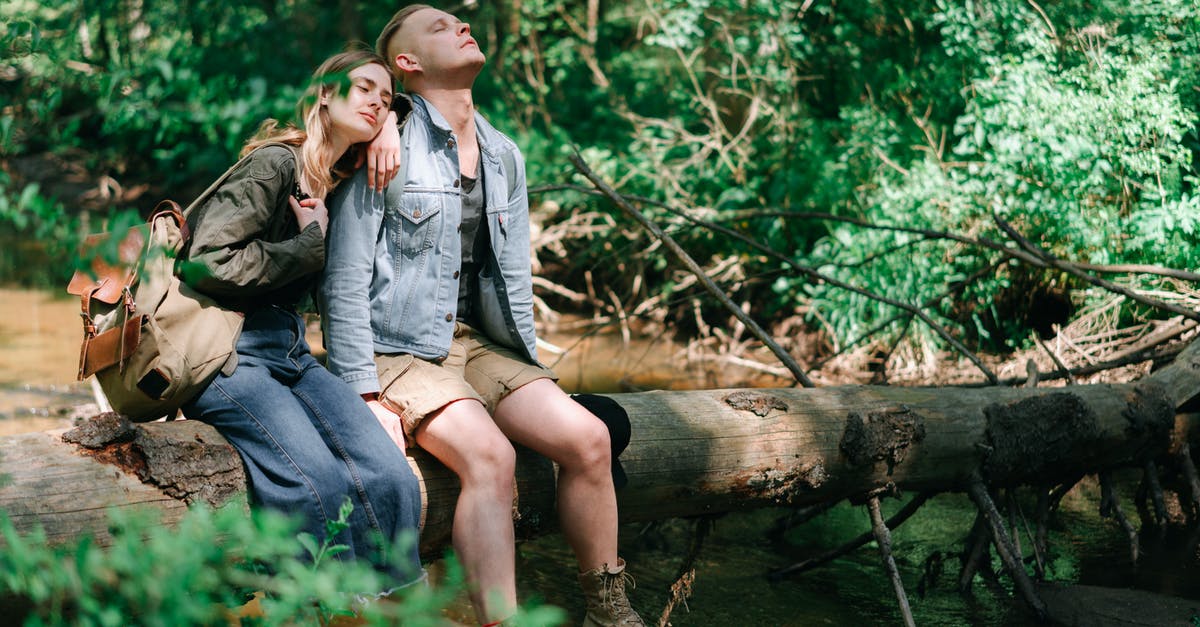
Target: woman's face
{"type": "Point", "coordinates": [359, 112]}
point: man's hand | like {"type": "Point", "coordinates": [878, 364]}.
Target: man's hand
{"type": "Point", "coordinates": [390, 421]}
{"type": "Point", "coordinates": [383, 155]}
{"type": "Point", "coordinates": [308, 211]}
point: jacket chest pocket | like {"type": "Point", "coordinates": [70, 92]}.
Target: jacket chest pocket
{"type": "Point", "coordinates": [416, 221]}
{"type": "Point", "coordinates": [498, 226]}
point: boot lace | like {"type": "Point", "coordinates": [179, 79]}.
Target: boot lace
{"type": "Point", "coordinates": [615, 599]}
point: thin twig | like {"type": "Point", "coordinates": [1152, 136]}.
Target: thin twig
{"type": "Point", "coordinates": [686, 259]}
{"type": "Point", "coordinates": [883, 538]}
{"type": "Point", "coordinates": [1146, 354]}
{"type": "Point", "coordinates": [681, 589]}
{"type": "Point", "coordinates": [1062, 368]}
{"type": "Point", "coordinates": [1039, 565]}
{"type": "Point", "coordinates": [797, 517]}
{"type": "Point", "coordinates": [931, 302]}
{"type": "Point", "coordinates": [1014, 531]}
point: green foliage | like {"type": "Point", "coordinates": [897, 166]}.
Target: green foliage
{"type": "Point", "coordinates": [1076, 122]}
{"type": "Point", "coordinates": [201, 570]}
{"type": "Point", "coordinates": [36, 232]}
{"type": "Point", "coordinates": [1077, 139]}
{"type": "Point", "coordinates": [156, 92]}
{"type": "Point", "coordinates": [1077, 126]}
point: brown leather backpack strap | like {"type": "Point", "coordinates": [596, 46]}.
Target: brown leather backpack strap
{"type": "Point", "coordinates": [171, 208]}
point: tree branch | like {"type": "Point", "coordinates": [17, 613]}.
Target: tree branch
{"type": "Point", "coordinates": [682, 256]}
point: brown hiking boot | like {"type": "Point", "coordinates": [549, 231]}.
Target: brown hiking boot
{"type": "Point", "coordinates": [607, 605]}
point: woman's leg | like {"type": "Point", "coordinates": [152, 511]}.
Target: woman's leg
{"type": "Point", "coordinates": [289, 466]}
{"type": "Point", "coordinates": [385, 487]}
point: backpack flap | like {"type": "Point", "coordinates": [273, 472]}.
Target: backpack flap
{"type": "Point", "coordinates": [111, 331]}
{"type": "Point", "coordinates": [110, 347]}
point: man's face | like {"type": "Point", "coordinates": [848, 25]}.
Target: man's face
{"type": "Point", "coordinates": [437, 43]}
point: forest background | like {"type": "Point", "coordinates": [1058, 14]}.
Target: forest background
{"type": "Point", "coordinates": [834, 166]}
{"type": "Point", "coordinates": [880, 184]}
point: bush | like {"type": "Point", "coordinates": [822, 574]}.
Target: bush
{"type": "Point", "coordinates": [200, 571]}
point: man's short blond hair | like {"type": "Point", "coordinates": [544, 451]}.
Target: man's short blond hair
{"type": "Point", "coordinates": [388, 45]}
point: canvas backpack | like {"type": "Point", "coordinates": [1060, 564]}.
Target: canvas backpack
{"type": "Point", "coordinates": [152, 342]}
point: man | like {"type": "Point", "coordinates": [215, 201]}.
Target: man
{"type": "Point", "coordinates": [428, 313]}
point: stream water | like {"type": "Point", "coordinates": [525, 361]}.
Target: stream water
{"type": "Point", "coordinates": [39, 337]}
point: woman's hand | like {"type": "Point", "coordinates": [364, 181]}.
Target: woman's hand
{"type": "Point", "coordinates": [383, 155]}
{"type": "Point", "coordinates": [390, 421]}
{"type": "Point", "coordinates": [308, 211]}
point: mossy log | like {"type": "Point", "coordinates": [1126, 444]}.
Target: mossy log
{"type": "Point", "coordinates": [692, 452]}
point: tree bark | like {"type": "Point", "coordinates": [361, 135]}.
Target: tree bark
{"type": "Point", "coordinates": [693, 452]}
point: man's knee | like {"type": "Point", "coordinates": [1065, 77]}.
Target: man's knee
{"type": "Point", "coordinates": [590, 443]}
{"type": "Point", "coordinates": [489, 460]}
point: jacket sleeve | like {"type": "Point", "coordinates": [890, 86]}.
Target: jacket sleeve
{"type": "Point", "coordinates": [355, 220]}
{"type": "Point", "coordinates": [230, 254]}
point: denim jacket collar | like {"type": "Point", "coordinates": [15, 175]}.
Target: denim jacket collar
{"type": "Point", "coordinates": [491, 141]}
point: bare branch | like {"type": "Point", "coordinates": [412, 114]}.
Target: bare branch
{"type": "Point", "coordinates": [883, 538]}
{"type": "Point", "coordinates": [1053, 262]}
{"type": "Point", "coordinates": [695, 269]}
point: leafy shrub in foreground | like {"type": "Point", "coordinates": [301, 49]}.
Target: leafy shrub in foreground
{"type": "Point", "coordinates": [201, 570]}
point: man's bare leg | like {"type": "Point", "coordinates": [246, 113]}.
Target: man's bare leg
{"type": "Point", "coordinates": [463, 436]}
{"type": "Point", "coordinates": [544, 418]}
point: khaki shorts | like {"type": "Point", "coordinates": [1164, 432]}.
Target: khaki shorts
{"type": "Point", "coordinates": [475, 368]}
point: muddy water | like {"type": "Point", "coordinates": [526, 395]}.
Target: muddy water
{"type": "Point", "coordinates": [39, 354]}
{"type": "Point", "coordinates": [40, 333]}
{"type": "Point", "coordinates": [39, 336]}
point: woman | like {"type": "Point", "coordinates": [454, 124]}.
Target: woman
{"type": "Point", "coordinates": [308, 441]}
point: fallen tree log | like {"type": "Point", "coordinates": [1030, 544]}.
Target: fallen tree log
{"type": "Point", "coordinates": [693, 452]}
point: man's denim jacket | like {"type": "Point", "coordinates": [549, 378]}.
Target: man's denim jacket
{"type": "Point", "coordinates": [393, 259]}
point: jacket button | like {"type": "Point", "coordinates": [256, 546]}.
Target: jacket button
{"type": "Point", "coordinates": [456, 274]}
{"type": "Point", "coordinates": [417, 213]}
{"type": "Point", "coordinates": [450, 143]}
{"type": "Point", "coordinates": [456, 182]}
{"type": "Point", "coordinates": [449, 317]}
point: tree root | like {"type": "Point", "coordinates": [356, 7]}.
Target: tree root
{"type": "Point", "coordinates": [883, 538]}
{"type": "Point", "coordinates": [1110, 507]}
{"type": "Point", "coordinates": [894, 522]}
{"type": "Point", "coordinates": [976, 547]}
{"type": "Point", "coordinates": [1004, 547]}
{"type": "Point", "coordinates": [1192, 479]}
{"type": "Point", "coordinates": [1153, 486]}
{"type": "Point", "coordinates": [1040, 537]}
{"type": "Point", "coordinates": [681, 589]}
{"type": "Point", "coordinates": [798, 517]}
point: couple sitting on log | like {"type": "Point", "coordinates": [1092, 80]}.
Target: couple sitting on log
{"type": "Point", "coordinates": [427, 312]}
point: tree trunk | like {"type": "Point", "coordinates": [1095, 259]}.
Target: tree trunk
{"type": "Point", "coordinates": [694, 452]}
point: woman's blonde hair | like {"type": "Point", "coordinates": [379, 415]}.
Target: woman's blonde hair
{"type": "Point", "coordinates": [320, 168]}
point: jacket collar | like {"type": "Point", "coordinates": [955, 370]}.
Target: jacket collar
{"type": "Point", "coordinates": [490, 140]}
